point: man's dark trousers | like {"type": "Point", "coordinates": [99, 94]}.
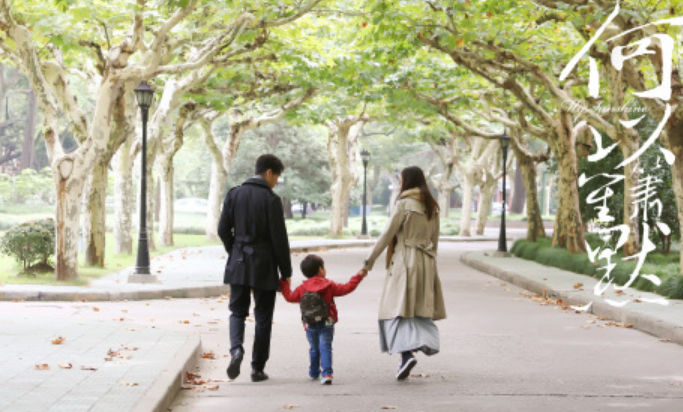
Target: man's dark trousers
{"type": "Point", "coordinates": [264, 304]}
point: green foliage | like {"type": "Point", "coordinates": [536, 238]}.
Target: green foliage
{"type": "Point", "coordinates": [653, 164]}
{"type": "Point", "coordinates": [665, 267]}
{"type": "Point", "coordinates": [30, 243]}
{"type": "Point", "coordinates": [28, 186]}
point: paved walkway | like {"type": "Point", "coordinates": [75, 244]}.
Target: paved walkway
{"type": "Point", "coordinates": [502, 350]}
{"type": "Point", "coordinates": [640, 311]}
{"type": "Point", "coordinates": [103, 364]}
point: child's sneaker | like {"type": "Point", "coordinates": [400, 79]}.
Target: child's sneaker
{"type": "Point", "coordinates": [314, 378]}
{"type": "Point", "coordinates": [326, 380]}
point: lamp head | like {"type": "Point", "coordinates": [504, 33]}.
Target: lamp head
{"type": "Point", "coordinates": [504, 140]}
{"type": "Point", "coordinates": [365, 155]}
{"type": "Point", "coordinates": [144, 95]}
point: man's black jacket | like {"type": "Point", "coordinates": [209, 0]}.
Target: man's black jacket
{"type": "Point", "coordinates": [252, 228]}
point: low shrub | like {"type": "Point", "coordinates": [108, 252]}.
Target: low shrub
{"type": "Point", "coordinates": [665, 267]}
{"type": "Point", "coordinates": [31, 244]}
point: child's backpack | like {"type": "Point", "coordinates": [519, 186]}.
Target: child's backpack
{"type": "Point", "coordinates": [314, 309]}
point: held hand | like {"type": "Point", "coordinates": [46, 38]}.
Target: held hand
{"type": "Point", "coordinates": [363, 272]}
{"type": "Point", "coordinates": [289, 281]}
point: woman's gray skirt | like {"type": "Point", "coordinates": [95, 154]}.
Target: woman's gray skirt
{"type": "Point", "coordinates": [409, 334]}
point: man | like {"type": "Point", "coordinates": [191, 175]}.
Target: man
{"type": "Point", "coordinates": [252, 228]}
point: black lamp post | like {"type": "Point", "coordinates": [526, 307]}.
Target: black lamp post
{"type": "Point", "coordinates": [365, 155]}
{"type": "Point", "coordinates": [144, 95]}
{"type": "Point", "coordinates": [504, 144]}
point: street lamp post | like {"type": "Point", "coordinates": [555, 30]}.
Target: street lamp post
{"type": "Point", "coordinates": [365, 155]}
{"type": "Point", "coordinates": [144, 95]}
{"type": "Point", "coordinates": [502, 242]}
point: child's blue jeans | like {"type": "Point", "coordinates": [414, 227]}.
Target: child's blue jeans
{"type": "Point", "coordinates": [320, 339]}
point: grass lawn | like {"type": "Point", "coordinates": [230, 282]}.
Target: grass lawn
{"type": "Point", "coordinates": [113, 263]}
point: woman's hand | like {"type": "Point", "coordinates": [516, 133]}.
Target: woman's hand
{"type": "Point", "coordinates": [363, 272]}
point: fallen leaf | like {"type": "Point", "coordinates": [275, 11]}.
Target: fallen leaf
{"type": "Point", "coordinates": [619, 292]}
{"type": "Point", "coordinates": [191, 376]}
{"type": "Point", "coordinates": [665, 340]}
{"type": "Point", "coordinates": [388, 407]}
{"type": "Point", "coordinates": [577, 285]}
{"type": "Point", "coordinates": [209, 355]}
{"type": "Point", "coordinates": [58, 341]}
{"type": "Point", "coordinates": [128, 383]}
{"type": "Point", "coordinates": [290, 406]}
{"type": "Point", "coordinates": [129, 348]}
{"type": "Point", "coordinates": [211, 387]}
{"type": "Point", "coordinates": [637, 300]}
{"type": "Point", "coordinates": [220, 380]}
{"type": "Point", "coordinates": [42, 366]}
{"type": "Point", "coordinates": [96, 309]}
{"type": "Point", "coordinates": [419, 375]}
{"type": "Point", "coordinates": [184, 321]}
{"type": "Point", "coordinates": [88, 368]}
{"type": "Point", "coordinates": [65, 365]}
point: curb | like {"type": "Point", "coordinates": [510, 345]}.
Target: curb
{"type": "Point", "coordinates": [472, 239]}
{"type": "Point", "coordinates": [166, 387]}
{"type": "Point", "coordinates": [642, 321]}
{"type": "Point", "coordinates": [105, 296]}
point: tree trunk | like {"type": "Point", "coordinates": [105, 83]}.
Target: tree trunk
{"type": "Point", "coordinates": [151, 196]}
{"type": "Point", "coordinates": [69, 190]}
{"type": "Point", "coordinates": [157, 201]}
{"type": "Point", "coordinates": [166, 204]}
{"type": "Point", "coordinates": [218, 178]}
{"type": "Point", "coordinates": [444, 201]}
{"type": "Point", "coordinates": [342, 174]}
{"type": "Point", "coordinates": [631, 176]}
{"type": "Point", "coordinates": [518, 192]}
{"type": "Point", "coordinates": [569, 230]}
{"type": "Point", "coordinates": [677, 174]}
{"type": "Point", "coordinates": [28, 152]}
{"type": "Point", "coordinates": [94, 228]}
{"type": "Point", "coordinates": [94, 232]}
{"type": "Point", "coordinates": [527, 167]}
{"type": "Point", "coordinates": [124, 199]}
{"type": "Point", "coordinates": [485, 202]}
{"type": "Point", "coordinates": [467, 185]}
{"type": "Point", "coordinates": [287, 207]}
{"type": "Point", "coordinates": [347, 207]}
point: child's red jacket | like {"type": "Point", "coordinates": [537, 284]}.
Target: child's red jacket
{"type": "Point", "coordinates": [325, 287]}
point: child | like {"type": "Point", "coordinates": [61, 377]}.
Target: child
{"type": "Point", "coordinates": [320, 334]}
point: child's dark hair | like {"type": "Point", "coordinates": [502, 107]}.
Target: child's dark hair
{"type": "Point", "coordinates": [311, 265]}
{"type": "Point", "coordinates": [269, 161]}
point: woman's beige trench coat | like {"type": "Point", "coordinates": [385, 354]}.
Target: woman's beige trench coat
{"type": "Point", "coordinates": [412, 287]}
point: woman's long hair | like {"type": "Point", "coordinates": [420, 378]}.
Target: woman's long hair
{"type": "Point", "coordinates": [413, 177]}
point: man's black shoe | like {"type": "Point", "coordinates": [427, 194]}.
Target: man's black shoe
{"type": "Point", "coordinates": [235, 363]}
{"type": "Point", "coordinates": [258, 376]}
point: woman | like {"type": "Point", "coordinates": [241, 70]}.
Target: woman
{"type": "Point", "coordinates": [412, 298]}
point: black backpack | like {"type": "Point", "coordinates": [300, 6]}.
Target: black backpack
{"type": "Point", "coordinates": [314, 309]}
